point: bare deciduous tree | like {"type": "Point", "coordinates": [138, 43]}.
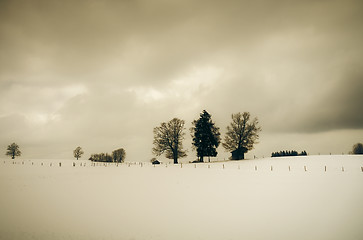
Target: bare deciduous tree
{"type": "Point", "coordinates": [241, 134]}
{"type": "Point", "coordinates": [119, 155]}
{"type": "Point", "coordinates": [77, 153]}
{"type": "Point", "coordinates": [168, 139]}
{"type": "Point", "coordinates": [13, 150]}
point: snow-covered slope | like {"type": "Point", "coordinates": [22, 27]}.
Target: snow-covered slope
{"type": "Point", "coordinates": [282, 198]}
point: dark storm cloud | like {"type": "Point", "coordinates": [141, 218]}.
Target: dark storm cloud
{"type": "Point", "coordinates": [144, 41]}
{"type": "Point", "coordinates": [82, 71]}
{"type": "Point", "coordinates": [339, 108]}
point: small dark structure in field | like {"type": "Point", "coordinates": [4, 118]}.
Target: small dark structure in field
{"type": "Point", "coordinates": [155, 162]}
{"type": "Point", "coordinates": [239, 153]}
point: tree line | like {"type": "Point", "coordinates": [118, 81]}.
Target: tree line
{"type": "Point", "coordinates": [118, 156]}
{"type": "Point", "coordinates": [242, 133]}
{"type": "Point", "coordinates": [288, 153]}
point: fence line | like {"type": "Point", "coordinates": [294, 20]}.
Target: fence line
{"type": "Point", "coordinates": [256, 168]}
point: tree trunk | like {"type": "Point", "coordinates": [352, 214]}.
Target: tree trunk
{"type": "Point", "coordinates": [175, 154]}
{"type": "Point", "coordinates": [202, 158]}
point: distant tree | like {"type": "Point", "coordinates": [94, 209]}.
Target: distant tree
{"type": "Point", "coordinates": [206, 136]}
{"type": "Point", "coordinates": [242, 133]}
{"type": "Point", "coordinates": [303, 153]}
{"type": "Point", "coordinates": [168, 139]}
{"type": "Point", "coordinates": [13, 150]}
{"type": "Point", "coordinates": [119, 155]}
{"type": "Point", "coordinates": [78, 152]}
{"type": "Point", "coordinates": [358, 148]}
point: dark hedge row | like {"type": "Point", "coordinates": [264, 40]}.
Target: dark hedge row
{"type": "Point", "coordinates": [288, 153]}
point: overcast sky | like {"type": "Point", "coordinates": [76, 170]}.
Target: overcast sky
{"type": "Point", "coordinates": [103, 74]}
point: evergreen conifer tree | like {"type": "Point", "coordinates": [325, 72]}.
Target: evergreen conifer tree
{"type": "Point", "coordinates": [206, 136]}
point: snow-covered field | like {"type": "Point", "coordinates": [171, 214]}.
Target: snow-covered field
{"type": "Point", "coordinates": [294, 199]}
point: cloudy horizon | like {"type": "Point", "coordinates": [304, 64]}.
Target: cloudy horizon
{"type": "Point", "coordinates": [103, 74]}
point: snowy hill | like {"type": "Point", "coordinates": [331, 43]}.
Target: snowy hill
{"type": "Point", "coordinates": [313, 197]}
